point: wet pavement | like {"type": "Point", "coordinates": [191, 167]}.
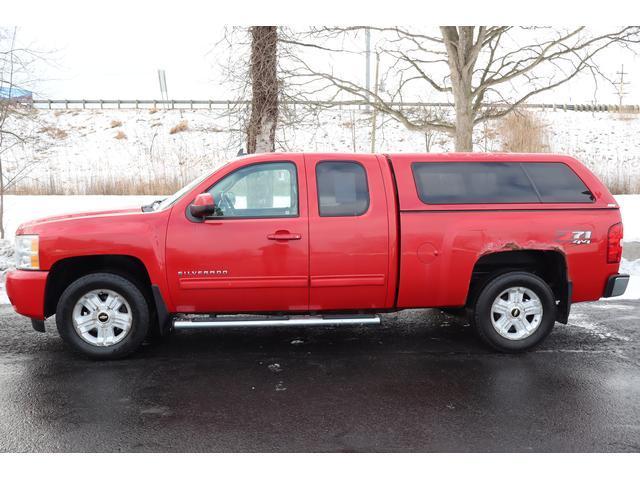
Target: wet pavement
{"type": "Point", "coordinates": [419, 382]}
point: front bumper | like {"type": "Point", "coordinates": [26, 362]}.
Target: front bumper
{"type": "Point", "coordinates": [616, 285]}
{"type": "Point", "coordinates": [25, 289]}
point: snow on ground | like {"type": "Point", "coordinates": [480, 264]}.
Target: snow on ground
{"type": "Point", "coordinates": [21, 208]}
{"type": "Point", "coordinates": [632, 268]}
{"type": "Point", "coordinates": [79, 147]}
{"type": "Point", "coordinates": [586, 322]}
{"type": "Point", "coordinates": [630, 210]}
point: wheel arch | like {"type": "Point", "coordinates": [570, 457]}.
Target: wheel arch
{"type": "Point", "coordinates": [550, 265]}
{"type": "Point", "coordinates": [65, 271]}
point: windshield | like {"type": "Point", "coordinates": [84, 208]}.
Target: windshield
{"type": "Point", "coordinates": [167, 202]}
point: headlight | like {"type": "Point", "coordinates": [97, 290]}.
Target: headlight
{"type": "Point", "coordinates": [27, 252]}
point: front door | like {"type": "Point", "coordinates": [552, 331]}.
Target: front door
{"type": "Point", "coordinates": [253, 254]}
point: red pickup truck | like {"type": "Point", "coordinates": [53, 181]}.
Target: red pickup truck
{"type": "Point", "coordinates": [288, 239]}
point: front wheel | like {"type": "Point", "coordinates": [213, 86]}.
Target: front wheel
{"type": "Point", "coordinates": [103, 316]}
{"type": "Point", "coordinates": [514, 312]}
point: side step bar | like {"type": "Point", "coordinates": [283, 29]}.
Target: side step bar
{"type": "Point", "coordinates": [292, 321]}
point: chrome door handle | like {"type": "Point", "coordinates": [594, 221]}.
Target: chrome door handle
{"type": "Point", "coordinates": [283, 235]}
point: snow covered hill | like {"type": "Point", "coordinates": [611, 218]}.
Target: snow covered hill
{"type": "Point", "coordinates": [84, 151]}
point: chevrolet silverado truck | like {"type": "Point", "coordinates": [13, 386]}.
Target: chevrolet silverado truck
{"type": "Point", "coordinates": [290, 239]}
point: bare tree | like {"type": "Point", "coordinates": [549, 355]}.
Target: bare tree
{"type": "Point", "coordinates": [234, 54]}
{"type": "Point", "coordinates": [261, 130]}
{"type": "Point", "coordinates": [486, 71]}
{"type": "Point", "coordinates": [14, 62]}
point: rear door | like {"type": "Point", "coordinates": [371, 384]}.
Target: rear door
{"type": "Point", "coordinates": [348, 232]}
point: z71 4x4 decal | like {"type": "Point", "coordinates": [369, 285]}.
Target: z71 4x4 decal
{"type": "Point", "coordinates": [577, 237]}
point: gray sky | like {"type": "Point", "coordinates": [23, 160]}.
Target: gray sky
{"type": "Point", "coordinates": [96, 61]}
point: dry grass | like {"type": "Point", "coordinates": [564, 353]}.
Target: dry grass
{"type": "Point", "coordinates": [101, 186]}
{"type": "Point", "coordinates": [180, 127]}
{"type": "Point", "coordinates": [618, 178]}
{"type": "Point", "coordinates": [620, 173]}
{"type": "Point", "coordinates": [152, 111]}
{"type": "Point", "coordinates": [120, 135]}
{"type": "Point", "coordinates": [53, 132]}
{"type": "Point", "coordinates": [523, 131]}
{"type": "Point", "coordinates": [47, 187]}
{"type": "Point", "coordinates": [623, 185]}
{"type": "Point", "coordinates": [626, 116]}
{"type": "Point", "coordinates": [116, 123]}
{"type": "Point", "coordinates": [131, 186]}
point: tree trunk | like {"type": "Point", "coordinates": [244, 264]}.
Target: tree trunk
{"type": "Point", "coordinates": [261, 130]}
{"type": "Point", "coordinates": [463, 98]}
{"type": "Point", "coordinates": [461, 57]}
{"type": "Point", "coordinates": [464, 131]}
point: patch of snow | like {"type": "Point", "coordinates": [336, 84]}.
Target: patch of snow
{"type": "Point", "coordinates": [275, 367]}
{"type": "Point", "coordinates": [615, 306]}
{"type": "Point", "coordinates": [89, 149]}
{"type": "Point", "coordinates": [632, 268]}
{"type": "Point", "coordinates": [7, 261]}
{"type": "Point", "coordinates": [630, 211]}
{"type": "Point", "coordinates": [23, 208]}
{"type": "Point", "coordinates": [583, 321]}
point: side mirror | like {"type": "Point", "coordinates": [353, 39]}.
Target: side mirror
{"type": "Point", "coordinates": [203, 206]}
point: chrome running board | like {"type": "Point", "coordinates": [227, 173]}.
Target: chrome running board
{"type": "Point", "coordinates": [291, 321]}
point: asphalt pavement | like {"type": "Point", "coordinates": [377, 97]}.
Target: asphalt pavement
{"type": "Point", "coordinates": [421, 381]}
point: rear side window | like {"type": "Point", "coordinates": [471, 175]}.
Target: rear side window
{"type": "Point", "coordinates": [473, 182]}
{"type": "Point", "coordinates": [498, 182]}
{"type": "Point", "coordinates": [342, 189]}
{"type": "Point", "coordinates": [557, 183]}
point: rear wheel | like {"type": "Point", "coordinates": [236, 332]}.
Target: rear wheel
{"type": "Point", "coordinates": [103, 316]}
{"type": "Point", "coordinates": [514, 312]}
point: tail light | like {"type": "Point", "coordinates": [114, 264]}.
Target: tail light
{"type": "Point", "coordinates": [614, 243]}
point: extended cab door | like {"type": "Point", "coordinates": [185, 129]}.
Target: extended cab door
{"type": "Point", "coordinates": [348, 233]}
{"type": "Point", "coordinates": [253, 255]}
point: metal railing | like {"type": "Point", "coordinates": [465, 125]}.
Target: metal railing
{"type": "Point", "coordinates": [346, 104]}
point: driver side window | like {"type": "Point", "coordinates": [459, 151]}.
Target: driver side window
{"type": "Point", "coordinates": [260, 190]}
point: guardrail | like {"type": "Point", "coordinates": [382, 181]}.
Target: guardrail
{"type": "Point", "coordinates": [228, 104]}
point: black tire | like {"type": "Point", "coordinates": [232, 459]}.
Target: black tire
{"type": "Point", "coordinates": [123, 287]}
{"type": "Point", "coordinates": [482, 317]}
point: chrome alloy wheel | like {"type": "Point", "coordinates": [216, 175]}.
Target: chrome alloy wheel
{"type": "Point", "coordinates": [516, 313]}
{"type": "Point", "coordinates": [102, 318]}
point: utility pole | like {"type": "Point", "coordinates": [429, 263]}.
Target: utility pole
{"type": "Point", "coordinates": [620, 91]}
{"type": "Point", "coordinates": [162, 79]}
{"type": "Point", "coordinates": [374, 119]}
{"type": "Point", "coordinates": [367, 39]}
